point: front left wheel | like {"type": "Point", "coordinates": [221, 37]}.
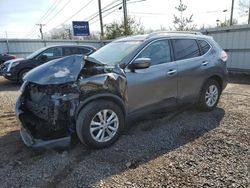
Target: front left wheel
{"type": "Point", "coordinates": [100, 123]}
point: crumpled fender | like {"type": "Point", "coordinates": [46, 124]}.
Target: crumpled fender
{"type": "Point", "coordinates": [108, 85]}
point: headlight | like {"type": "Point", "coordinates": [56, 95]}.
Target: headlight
{"type": "Point", "coordinates": [15, 64]}
{"type": "Point", "coordinates": [11, 64]}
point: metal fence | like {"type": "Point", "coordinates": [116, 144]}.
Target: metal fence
{"type": "Point", "coordinates": [235, 40]}
{"type": "Point", "coordinates": [23, 47]}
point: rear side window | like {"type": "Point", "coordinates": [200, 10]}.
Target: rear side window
{"type": "Point", "coordinates": [75, 50]}
{"type": "Point", "coordinates": [185, 48]}
{"type": "Point", "coordinates": [84, 51]}
{"type": "Point", "coordinates": [204, 46]}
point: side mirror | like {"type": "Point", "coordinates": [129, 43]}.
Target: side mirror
{"type": "Point", "coordinates": [140, 63]}
{"type": "Point", "coordinates": [43, 57]}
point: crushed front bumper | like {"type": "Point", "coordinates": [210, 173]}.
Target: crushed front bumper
{"type": "Point", "coordinates": [32, 142]}
{"type": "Point", "coordinates": [39, 143]}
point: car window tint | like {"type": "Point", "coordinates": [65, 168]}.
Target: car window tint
{"type": "Point", "coordinates": [204, 46]}
{"type": "Point", "coordinates": [52, 53]}
{"type": "Point", "coordinates": [84, 51]}
{"type": "Point", "coordinates": [75, 50]}
{"type": "Point", "coordinates": [185, 48]}
{"type": "Point", "coordinates": [67, 51]}
{"type": "Point", "coordinates": [158, 52]}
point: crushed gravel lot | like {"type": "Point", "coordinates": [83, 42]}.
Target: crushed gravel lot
{"type": "Point", "coordinates": [179, 148]}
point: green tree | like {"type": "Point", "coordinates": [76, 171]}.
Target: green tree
{"type": "Point", "coordinates": [182, 23]}
{"type": "Point", "coordinates": [117, 29]}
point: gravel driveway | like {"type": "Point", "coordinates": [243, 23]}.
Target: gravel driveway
{"type": "Point", "coordinates": [180, 148]}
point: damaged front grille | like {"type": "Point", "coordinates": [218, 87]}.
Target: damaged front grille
{"type": "Point", "coordinates": [49, 109]}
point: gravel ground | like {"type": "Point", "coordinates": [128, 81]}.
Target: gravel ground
{"type": "Point", "coordinates": [181, 148]}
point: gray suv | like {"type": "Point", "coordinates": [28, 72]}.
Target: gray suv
{"type": "Point", "coordinates": [91, 97]}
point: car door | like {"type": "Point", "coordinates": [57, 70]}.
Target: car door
{"type": "Point", "coordinates": [50, 53]}
{"type": "Point", "coordinates": [192, 68]}
{"type": "Point", "coordinates": [156, 84]}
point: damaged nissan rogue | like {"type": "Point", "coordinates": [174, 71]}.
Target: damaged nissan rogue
{"type": "Point", "coordinates": [92, 96]}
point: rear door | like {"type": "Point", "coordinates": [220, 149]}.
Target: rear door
{"type": "Point", "coordinates": [192, 68]}
{"type": "Point", "coordinates": [156, 84]}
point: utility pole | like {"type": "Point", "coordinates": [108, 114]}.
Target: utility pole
{"type": "Point", "coordinates": [232, 10]}
{"type": "Point", "coordinates": [100, 17]}
{"type": "Point", "coordinates": [248, 15]}
{"type": "Point", "coordinates": [125, 14]}
{"type": "Point", "coordinates": [7, 41]}
{"type": "Point", "coordinates": [41, 29]}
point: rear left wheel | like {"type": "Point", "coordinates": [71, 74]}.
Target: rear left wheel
{"type": "Point", "coordinates": [210, 95]}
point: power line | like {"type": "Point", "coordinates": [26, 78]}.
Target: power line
{"type": "Point", "coordinates": [47, 13]}
{"type": "Point", "coordinates": [102, 17]}
{"type": "Point", "coordinates": [103, 10]}
{"type": "Point", "coordinates": [74, 13]}
{"type": "Point", "coordinates": [93, 16]}
{"type": "Point", "coordinates": [58, 11]}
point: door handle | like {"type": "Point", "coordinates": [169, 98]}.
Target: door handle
{"type": "Point", "coordinates": [171, 72]}
{"type": "Point", "coordinates": [205, 63]}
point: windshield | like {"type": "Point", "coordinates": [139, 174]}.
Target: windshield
{"type": "Point", "coordinates": [35, 53]}
{"type": "Point", "coordinates": [114, 52]}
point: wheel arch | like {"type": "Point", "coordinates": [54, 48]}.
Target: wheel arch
{"type": "Point", "coordinates": [212, 77]}
{"type": "Point", "coordinates": [217, 78]}
{"type": "Point", "coordinates": [104, 96]}
{"type": "Point", "coordinates": [23, 69]}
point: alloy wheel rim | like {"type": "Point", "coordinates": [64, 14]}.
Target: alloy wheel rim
{"type": "Point", "coordinates": [211, 95]}
{"type": "Point", "coordinates": [104, 125]}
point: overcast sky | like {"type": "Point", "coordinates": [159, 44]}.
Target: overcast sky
{"type": "Point", "coordinates": [18, 17]}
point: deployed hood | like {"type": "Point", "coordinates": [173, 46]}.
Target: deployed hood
{"type": "Point", "coordinates": [57, 71]}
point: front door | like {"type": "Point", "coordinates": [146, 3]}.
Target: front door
{"type": "Point", "coordinates": [50, 54]}
{"type": "Point", "coordinates": [156, 84]}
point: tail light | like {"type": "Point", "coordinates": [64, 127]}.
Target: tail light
{"type": "Point", "coordinates": [223, 56]}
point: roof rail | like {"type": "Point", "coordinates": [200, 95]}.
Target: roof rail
{"type": "Point", "coordinates": [179, 32]}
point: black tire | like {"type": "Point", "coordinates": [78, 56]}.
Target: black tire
{"type": "Point", "coordinates": [84, 120]}
{"type": "Point", "coordinates": [21, 75]}
{"type": "Point", "coordinates": [202, 105]}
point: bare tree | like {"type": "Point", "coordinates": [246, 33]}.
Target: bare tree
{"type": "Point", "coordinates": [245, 8]}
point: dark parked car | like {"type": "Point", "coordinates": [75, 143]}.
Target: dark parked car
{"type": "Point", "coordinates": [16, 69]}
{"type": "Point", "coordinates": [6, 57]}
{"type": "Point", "coordinates": [93, 97]}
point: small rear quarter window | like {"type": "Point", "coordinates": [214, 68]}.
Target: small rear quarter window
{"type": "Point", "coordinates": [204, 46]}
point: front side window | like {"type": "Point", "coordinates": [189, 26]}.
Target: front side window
{"type": "Point", "coordinates": [185, 48]}
{"type": "Point", "coordinates": [53, 53]}
{"type": "Point", "coordinates": [204, 46]}
{"type": "Point", "coordinates": [158, 52]}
